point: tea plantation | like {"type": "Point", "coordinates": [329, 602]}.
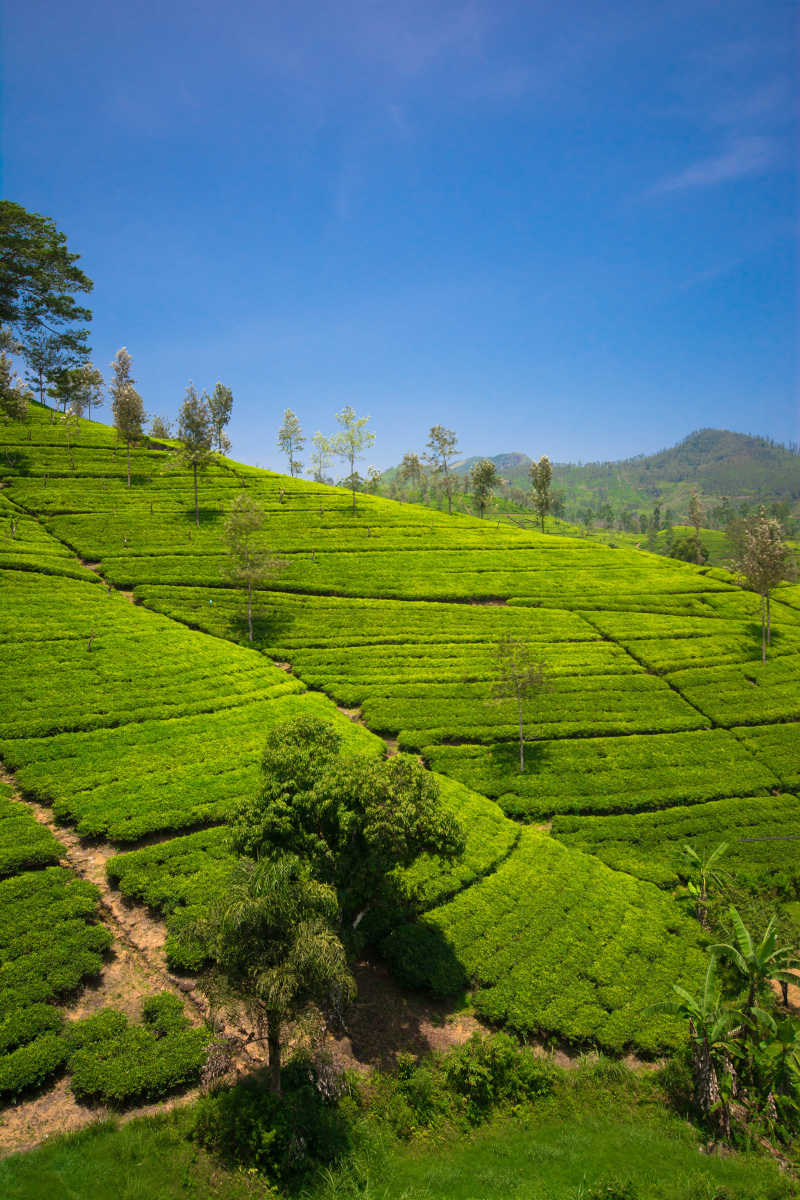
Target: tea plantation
{"type": "Point", "coordinates": [142, 723]}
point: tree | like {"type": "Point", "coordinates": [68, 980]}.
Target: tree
{"type": "Point", "coordinates": [291, 441]}
{"type": "Point", "coordinates": [354, 818]}
{"type": "Point", "coordinates": [273, 948]}
{"type": "Point", "coordinates": [320, 456]}
{"type": "Point", "coordinates": [541, 478]}
{"type": "Point", "coordinates": [220, 404]}
{"type": "Point", "coordinates": [442, 447]}
{"type": "Point", "coordinates": [251, 564]}
{"type": "Point", "coordinates": [410, 470]}
{"type": "Point", "coordinates": [351, 441]}
{"type": "Point", "coordinates": [45, 361]}
{"type": "Point", "coordinates": [764, 561]}
{"type": "Point", "coordinates": [13, 398]}
{"type": "Point", "coordinates": [39, 277]}
{"type": "Point", "coordinates": [703, 873]}
{"type": "Point", "coordinates": [195, 431]}
{"type": "Point", "coordinates": [710, 1027]}
{"type": "Point", "coordinates": [159, 428]}
{"type": "Point", "coordinates": [518, 674]}
{"type": "Point", "coordinates": [126, 403]}
{"type": "Point", "coordinates": [80, 388]}
{"type": "Point", "coordinates": [696, 519]}
{"type": "Point", "coordinates": [373, 480]}
{"type": "Point", "coordinates": [757, 962]}
{"type": "Point", "coordinates": [483, 480]}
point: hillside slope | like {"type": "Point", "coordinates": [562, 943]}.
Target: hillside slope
{"type": "Point", "coordinates": [654, 704]}
{"type": "Point", "coordinates": [717, 462]}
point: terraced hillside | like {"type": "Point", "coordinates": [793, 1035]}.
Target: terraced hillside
{"type": "Point", "coordinates": [142, 723]}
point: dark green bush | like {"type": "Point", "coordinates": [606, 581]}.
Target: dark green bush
{"type": "Point", "coordinates": [285, 1137]}
{"type": "Point", "coordinates": [31, 1065]}
{"type": "Point", "coordinates": [28, 1023]}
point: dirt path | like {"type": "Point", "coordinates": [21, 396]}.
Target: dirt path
{"type": "Point", "coordinates": [135, 967]}
{"type": "Point", "coordinates": [95, 566]}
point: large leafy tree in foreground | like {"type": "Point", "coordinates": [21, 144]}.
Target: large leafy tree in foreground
{"type": "Point", "coordinates": [39, 278]}
{"type": "Point", "coordinates": [353, 818]}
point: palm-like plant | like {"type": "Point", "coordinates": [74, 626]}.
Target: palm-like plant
{"type": "Point", "coordinates": [703, 873]}
{"type": "Point", "coordinates": [758, 963]}
{"type": "Point", "coordinates": [273, 947]}
{"type": "Point", "coordinates": [710, 1027]}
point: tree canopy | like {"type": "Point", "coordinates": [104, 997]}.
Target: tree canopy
{"type": "Point", "coordinates": [483, 480]}
{"type": "Point", "coordinates": [39, 278]}
{"type": "Point", "coordinates": [220, 405]}
{"type": "Point", "coordinates": [352, 817]}
{"type": "Point", "coordinates": [351, 441]}
{"type": "Point", "coordinates": [195, 432]}
{"type": "Point", "coordinates": [273, 948]}
{"type": "Point", "coordinates": [291, 441]}
{"type": "Point", "coordinates": [250, 562]}
{"type": "Point", "coordinates": [442, 447]}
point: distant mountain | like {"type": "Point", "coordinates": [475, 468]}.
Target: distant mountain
{"type": "Point", "coordinates": [718, 462]}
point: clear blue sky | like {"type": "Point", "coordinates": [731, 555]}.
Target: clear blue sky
{"type": "Point", "coordinates": [564, 228]}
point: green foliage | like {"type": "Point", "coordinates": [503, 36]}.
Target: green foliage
{"type": "Point", "coordinates": [115, 1063]}
{"type": "Point", "coordinates": [39, 279]}
{"type": "Point", "coordinates": [530, 952]}
{"type": "Point", "coordinates": [31, 1065]}
{"type": "Point", "coordinates": [354, 819]}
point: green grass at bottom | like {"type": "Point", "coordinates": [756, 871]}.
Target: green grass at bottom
{"type": "Point", "coordinates": [557, 1150]}
{"type": "Point", "coordinates": [581, 1139]}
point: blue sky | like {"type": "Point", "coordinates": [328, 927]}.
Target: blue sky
{"type": "Point", "coordinates": [558, 228]}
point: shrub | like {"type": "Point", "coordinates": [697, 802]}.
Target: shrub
{"type": "Point", "coordinates": [487, 1070]}
{"type": "Point", "coordinates": [285, 1137]}
{"type": "Point", "coordinates": [31, 1065]}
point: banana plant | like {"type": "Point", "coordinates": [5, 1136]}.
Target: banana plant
{"type": "Point", "coordinates": [711, 1026]}
{"type": "Point", "coordinates": [758, 962]}
{"type": "Point", "coordinates": [703, 873]}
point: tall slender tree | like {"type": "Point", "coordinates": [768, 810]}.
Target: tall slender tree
{"type": "Point", "coordinates": [272, 946]}
{"type": "Point", "coordinates": [45, 360]}
{"type": "Point", "coordinates": [291, 441]}
{"type": "Point", "coordinates": [220, 404]}
{"type": "Point", "coordinates": [126, 403]}
{"type": "Point", "coordinates": [764, 561]}
{"type": "Point", "coordinates": [696, 519]}
{"type": "Point", "coordinates": [251, 564]}
{"type": "Point", "coordinates": [541, 474]}
{"type": "Point", "coordinates": [411, 470]}
{"type": "Point", "coordinates": [483, 480]}
{"type": "Point", "coordinates": [320, 456]}
{"type": "Point", "coordinates": [518, 675]}
{"type": "Point", "coordinates": [442, 448]}
{"type": "Point", "coordinates": [195, 433]}
{"type": "Point", "coordinates": [351, 442]}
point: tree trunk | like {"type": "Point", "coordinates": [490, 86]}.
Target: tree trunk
{"type": "Point", "coordinates": [129, 464]}
{"type": "Point", "coordinates": [521, 737]}
{"type": "Point", "coordinates": [196, 509]}
{"type": "Point", "coordinates": [763, 632]}
{"type": "Point", "coordinates": [707, 1096]}
{"type": "Point", "coordinates": [274, 1053]}
{"type": "Point", "coordinates": [769, 623]}
{"type": "Point", "coordinates": [250, 608]}
{"type": "Point", "coordinates": [541, 515]}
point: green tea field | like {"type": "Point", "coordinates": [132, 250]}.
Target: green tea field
{"type": "Point", "coordinates": [136, 711]}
